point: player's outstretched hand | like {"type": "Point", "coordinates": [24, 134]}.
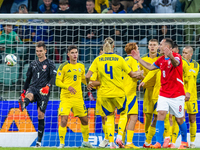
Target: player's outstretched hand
{"type": "Point", "coordinates": [187, 96]}
{"type": "Point", "coordinates": [141, 84]}
{"type": "Point", "coordinates": [72, 90]}
{"type": "Point", "coordinates": [168, 52]}
{"type": "Point", "coordinates": [44, 90]}
{"type": "Point", "coordinates": [135, 54]}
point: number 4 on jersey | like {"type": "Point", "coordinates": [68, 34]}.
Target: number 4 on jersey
{"type": "Point", "coordinates": [109, 72]}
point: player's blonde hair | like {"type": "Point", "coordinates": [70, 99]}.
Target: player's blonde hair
{"type": "Point", "coordinates": [190, 48]}
{"type": "Point", "coordinates": [129, 47]}
{"type": "Point", "coordinates": [110, 41]}
{"type": "Point", "coordinates": [107, 47]}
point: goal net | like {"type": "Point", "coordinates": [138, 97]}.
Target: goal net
{"type": "Point", "coordinates": [19, 33]}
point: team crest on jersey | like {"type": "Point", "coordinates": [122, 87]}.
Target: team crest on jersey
{"type": "Point", "coordinates": [79, 69]}
{"type": "Point", "coordinates": [44, 67]}
{"type": "Point", "coordinates": [75, 69]}
{"type": "Point", "coordinates": [59, 73]}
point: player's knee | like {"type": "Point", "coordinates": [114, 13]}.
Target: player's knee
{"type": "Point", "coordinates": [192, 119]}
{"type": "Point", "coordinates": [30, 96]}
{"type": "Point", "coordinates": [84, 120]}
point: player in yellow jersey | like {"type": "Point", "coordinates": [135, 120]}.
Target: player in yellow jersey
{"type": "Point", "coordinates": [95, 82]}
{"type": "Point", "coordinates": [130, 85]}
{"type": "Point", "coordinates": [69, 77]}
{"type": "Point", "coordinates": [148, 105]}
{"type": "Point", "coordinates": [191, 105]}
{"type": "Point", "coordinates": [109, 67]}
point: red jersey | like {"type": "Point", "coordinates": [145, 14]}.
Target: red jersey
{"type": "Point", "coordinates": [171, 77]}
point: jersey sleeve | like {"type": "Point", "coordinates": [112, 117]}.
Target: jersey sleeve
{"type": "Point", "coordinates": [150, 75]}
{"type": "Point", "coordinates": [125, 66]}
{"type": "Point", "coordinates": [93, 66]}
{"type": "Point", "coordinates": [94, 76]}
{"type": "Point", "coordinates": [157, 63]}
{"type": "Point", "coordinates": [52, 73]}
{"type": "Point", "coordinates": [60, 76]}
{"type": "Point", "coordinates": [83, 75]}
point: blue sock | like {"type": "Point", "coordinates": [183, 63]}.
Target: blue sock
{"type": "Point", "coordinates": [183, 129]}
{"type": "Point", "coordinates": [159, 131]}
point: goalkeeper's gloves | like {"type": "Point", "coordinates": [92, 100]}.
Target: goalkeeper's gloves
{"type": "Point", "coordinates": [22, 96]}
{"type": "Point", "coordinates": [45, 90]}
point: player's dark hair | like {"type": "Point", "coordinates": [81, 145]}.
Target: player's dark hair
{"type": "Point", "coordinates": [115, 2]}
{"type": "Point", "coordinates": [101, 49]}
{"type": "Point", "coordinates": [71, 47]}
{"type": "Point", "coordinates": [41, 44]}
{"type": "Point", "coordinates": [175, 45]}
{"type": "Point", "coordinates": [169, 42]}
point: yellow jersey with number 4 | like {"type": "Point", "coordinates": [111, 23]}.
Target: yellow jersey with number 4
{"type": "Point", "coordinates": [110, 68]}
{"type": "Point", "coordinates": [71, 75]}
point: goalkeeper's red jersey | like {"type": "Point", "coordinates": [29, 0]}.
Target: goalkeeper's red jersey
{"type": "Point", "coordinates": [171, 77]}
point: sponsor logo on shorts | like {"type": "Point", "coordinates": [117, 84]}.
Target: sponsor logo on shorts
{"type": "Point", "coordinates": [61, 109]}
{"type": "Point", "coordinates": [180, 108]}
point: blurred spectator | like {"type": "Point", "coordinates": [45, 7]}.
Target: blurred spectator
{"type": "Point", "coordinates": [34, 5]}
{"type": "Point", "coordinates": [77, 6]}
{"type": "Point", "coordinates": [116, 7]}
{"type": "Point", "coordinates": [191, 6]}
{"type": "Point", "coordinates": [179, 7]}
{"type": "Point", "coordinates": [164, 6]}
{"type": "Point", "coordinates": [100, 5]}
{"type": "Point", "coordinates": [5, 6]}
{"type": "Point", "coordinates": [16, 5]}
{"type": "Point", "coordinates": [165, 32]}
{"type": "Point", "coordinates": [64, 6]}
{"type": "Point", "coordinates": [126, 4]}
{"type": "Point", "coordinates": [138, 7]}
{"type": "Point", "coordinates": [90, 7]}
{"type": "Point", "coordinates": [8, 36]}
{"type": "Point", "coordinates": [48, 5]}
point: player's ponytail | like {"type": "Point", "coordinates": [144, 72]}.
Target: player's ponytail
{"type": "Point", "coordinates": [107, 47]}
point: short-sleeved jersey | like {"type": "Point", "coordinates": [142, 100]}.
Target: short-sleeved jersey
{"type": "Point", "coordinates": [171, 77]}
{"type": "Point", "coordinates": [130, 84]}
{"type": "Point", "coordinates": [41, 72]}
{"type": "Point", "coordinates": [150, 60]}
{"type": "Point", "coordinates": [95, 77]}
{"type": "Point", "coordinates": [194, 70]}
{"type": "Point", "coordinates": [110, 67]}
{"type": "Point", "coordinates": [71, 75]}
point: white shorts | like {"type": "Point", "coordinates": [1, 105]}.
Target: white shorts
{"type": "Point", "coordinates": [174, 105]}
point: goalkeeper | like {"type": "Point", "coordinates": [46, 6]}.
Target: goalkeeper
{"type": "Point", "coordinates": [41, 73]}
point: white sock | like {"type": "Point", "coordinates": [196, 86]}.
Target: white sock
{"type": "Point", "coordinates": [147, 144]}
{"type": "Point", "coordinates": [191, 142]}
{"type": "Point", "coordinates": [119, 137]}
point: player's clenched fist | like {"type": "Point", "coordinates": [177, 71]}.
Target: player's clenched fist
{"type": "Point", "coordinates": [44, 90]}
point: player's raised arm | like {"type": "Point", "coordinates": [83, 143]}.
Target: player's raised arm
{"type": "Point", "coordinates": [136, 55]}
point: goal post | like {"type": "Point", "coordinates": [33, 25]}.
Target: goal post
{"type": "Point", "coordinates": [19, 34]}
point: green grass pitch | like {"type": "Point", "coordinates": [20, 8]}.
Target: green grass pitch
{"type": "Point", "coordinates": [54, 148]}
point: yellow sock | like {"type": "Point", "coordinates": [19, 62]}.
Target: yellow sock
{"type": "Point", "coordinates": [193, 130]}
{"type": "Point", "coordinates": [151, 133]}
{"type": "Point", "coordinates": [110, 124]}
{"type": "Point", "coordinates": [170, 132]}
{"type": "Point", "coordinates": [85, 132]}
{"type": "Point", "coordinates": [175, 130]}
{"type": "Point", "coordinates": [148, 119]}
{"type": "Point", "coordinates": [62, 132]}
{"type": "Point", "coordinates": [130, 134]}
{"type": "Point", "coordinates": [105, 131]}
{"type": "Point", "coordinates": [122, 123]}
{"type": "Point", "coordinates": [167, 125]}
{"type": "Point", "coordinates": [123, 137]}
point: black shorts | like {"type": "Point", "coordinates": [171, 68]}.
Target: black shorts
{"type": "Point", "coordinates": [42, 100]}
